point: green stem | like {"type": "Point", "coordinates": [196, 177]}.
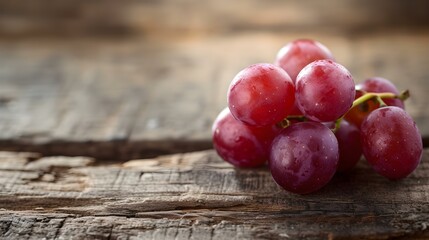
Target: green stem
{"type": "Point", "coordinates": [380, 101]}
{"type": "Point", "coordinates": [300, 118]}
{"type": "Point", "coordinates": [284, 123]}
{"type": "Point", "coordinates": [337, 124]}
{"type": "Point", "coordinates": [378, 97]}
{"type": "Point", "coordinates": [368, 96]}
{"type": "Point", "coordinates": [404, 95]}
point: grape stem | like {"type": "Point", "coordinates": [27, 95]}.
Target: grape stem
{"type": "Point", "coordinates": [369, 96]}
{"type": "Point", "coordinates": [364, 98]}
{"type": "Point", "coordinates": [300, 118]}
{"type": "Point", "coordinates": [286, 122]}
{"type": "Point", "coordinates": [379, 96]}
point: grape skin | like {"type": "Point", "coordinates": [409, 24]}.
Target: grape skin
{"type": "Point", "coordinates": [261, 94]}
{"type": "Point", "coordinates": [325, 90]}
{"type": "Point", "coordinates": [297, 54]}
{"type": "Point", "coordinates": [304, 157]}
{"type": "Point", "coordinates": [349, 142]}
{"type": "Point", "coordinates": [391, 142]}
{"type": "Point", "coordinates": [239, 144]}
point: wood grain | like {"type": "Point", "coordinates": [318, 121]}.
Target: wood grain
{"type": "Point", "coordinates": [150, 96]}
{"type": "Point", "coordinates": [198, 196]}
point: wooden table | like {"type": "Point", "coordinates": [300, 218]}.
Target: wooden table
{"type": "Point", "coordinates": [199, 196]}
{"type": "Point", "coordinates": [88, 87]}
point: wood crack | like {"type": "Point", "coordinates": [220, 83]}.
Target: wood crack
{"type": "Point", "coordinates": [59, 227]}
{"type": "Point", "coordinates": [107, 150]}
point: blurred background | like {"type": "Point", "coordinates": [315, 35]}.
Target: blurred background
{"type": "Point", "coordinates": [189, 17]}
{"type": "Point", "coordinates": [125, 79]}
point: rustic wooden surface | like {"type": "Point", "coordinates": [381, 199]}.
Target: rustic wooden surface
{"type": "Point", "coordinates": [144, 78]}
{"type": "Point", "coordinates": [124, 80]}
{"type": "Point", "coordinates": [198, 196]}
{"type": "Point", "coordinates": [151, 96]}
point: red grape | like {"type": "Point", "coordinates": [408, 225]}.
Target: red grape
{"type": "Point", "coordinates": [304, 157]}
{"type": "Point", "coordinates": [297, 54]}
{"type": "Point", "coordinates": [261, 94]}
{"type": "Point", "coordinates": [391, 142]}
{"type": "Point", "coordinates": [239, 144]}
{"type": "Point", "coordinates": [325, 90]}
{"type": "Point", "coordinates": [348, 137]}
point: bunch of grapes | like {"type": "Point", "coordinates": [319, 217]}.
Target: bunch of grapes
{"type": "Point", "coordinates": [305, 115]}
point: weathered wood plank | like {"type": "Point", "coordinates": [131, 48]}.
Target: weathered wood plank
{"type": "Point", "coordinates": [198, 196]}
{"type": "Point", "coordinates": [151, 96]}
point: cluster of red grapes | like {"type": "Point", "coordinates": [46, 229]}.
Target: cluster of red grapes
{"type": "Point", "coordinates": [305, 115]}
